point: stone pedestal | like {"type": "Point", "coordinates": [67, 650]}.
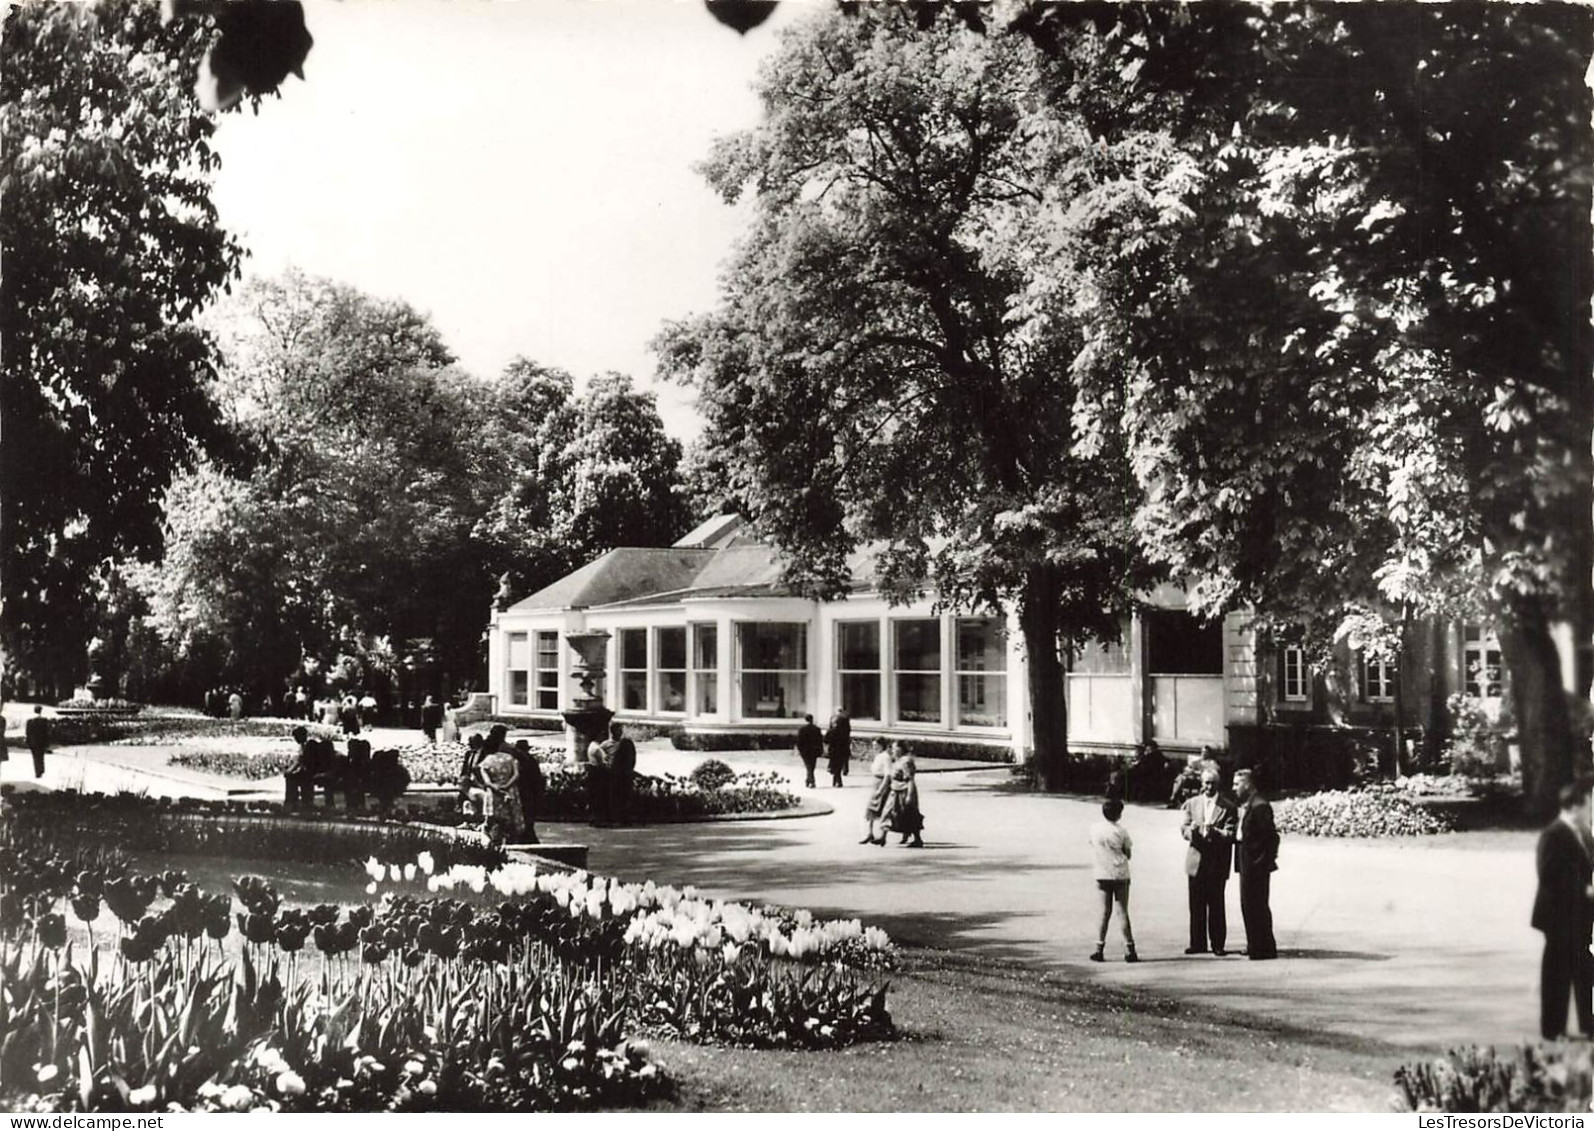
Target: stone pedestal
{"type": "Point", "coordinates": [587, 719]}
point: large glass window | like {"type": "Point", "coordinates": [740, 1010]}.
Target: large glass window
{"type": "Point", "coordinates": [633, 669]}
{"type": "Point", "coordinates": [858, 667]}
{"type": "Point", "coordinates": [1481, 663]}
{"type": "Point", "coordinates": [705, 668]}
{"type": "Point", "coordinates": [519, 665]}
{"type": "Point", "coordinates": [671, 670]}
{"type": "Point", "coordinates": [917, 651]}
{"type": "Point", "coordinates": [548, 671]}
{"type": "Point", "coordinates": [772, 660]}
{"type": "Point", "coordinates": [981, 672]}
{"type": "Point", "coordinates": [1296, 685]}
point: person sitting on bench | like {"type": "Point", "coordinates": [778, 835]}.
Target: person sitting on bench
{"type": "Point", "coordinates": [316, 764]}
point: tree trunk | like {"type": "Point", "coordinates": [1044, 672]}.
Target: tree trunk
{"type": "Point", "coordinates": [1048, 704]}
{"type": "Point", "coordinates": [1544, 723]}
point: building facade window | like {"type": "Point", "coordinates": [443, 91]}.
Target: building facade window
{"type": "Point", "coordinates": [916, 654]}
{"type": "Point", "coordinates": [705, 669]}
{"type": "Point", "coordinates": [981, 672]}
{"type": "Point", "coordinates": [1296, 685]}
{"type": "Point", "coordinates": [1480, 662]}
{"type": "Point", "coordinates": [633, 669]}
{"type": "Point", "coordinates": [772, 664]}
{"type": "Point", "coordinates": [858, 668]}
{"type": "Point", "coordinates": [547, 671]}
{"type": "Point", "coordinates": [519, 666]}
{"type": "Point", "coordinates": [1378, 680]}
{"type": "Point", "coordinates": [670, 676]}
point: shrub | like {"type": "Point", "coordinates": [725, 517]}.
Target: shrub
{"type": "Point", "coordinates": [1377, 811]}
{"type": "Point", "coordinates": [712, 774]}
{"type": "Point", "coordinates": [1476, 748]}
{"type": "Point", "coordinates": [1546, 1078]}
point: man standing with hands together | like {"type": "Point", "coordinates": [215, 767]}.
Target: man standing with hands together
{"type": "Point", "coordinates": [1209, 824]}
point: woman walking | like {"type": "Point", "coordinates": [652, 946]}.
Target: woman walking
{"type": "Point", "coordinates": [905, 815]}
{"type": "Point", "coordinates": [879, 792]}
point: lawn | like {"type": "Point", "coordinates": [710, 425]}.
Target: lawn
{"type": "Point", "coordinates": [984, 1036]}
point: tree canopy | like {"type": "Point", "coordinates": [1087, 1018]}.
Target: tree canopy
{"type": "Point", "coordinates": [1325, 255]}
{"type": "Point", "coordinates": [865, 379]}
{"type": "Point", "coordinates": [112, 247]}
{"type": "Point", "coordinates": [388, 495]}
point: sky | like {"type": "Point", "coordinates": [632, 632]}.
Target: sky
{"type": "Point", "coordinates": [520, 170]}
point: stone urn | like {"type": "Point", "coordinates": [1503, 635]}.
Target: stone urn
{"type": "Point", "coordinates": [587, 720]}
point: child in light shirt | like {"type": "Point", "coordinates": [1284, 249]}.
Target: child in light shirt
{"type": "Point", "coordinates": [1111, 847]}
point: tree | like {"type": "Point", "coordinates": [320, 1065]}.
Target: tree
{"type": "Point", "coordinates": [1319, 250]}
{"type": "Point", "coordinates": [389, 493]}
{"type": "Point", "coordinates": [583, 475]}
{"type": "Point", "coordinates": [870, 376]}
{"type": "Point", "coordinates": [352, 528]}
{"type": "Point", "coordinates": [112, 247]}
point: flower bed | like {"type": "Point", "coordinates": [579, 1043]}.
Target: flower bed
{"type": "Point", "coordinates": [220, 828]}
{"type": "Point", "coordinates": [1376, 811]}
{"type": "Point", "coordinates": [1546, 1078]}
{"type": "Point", "coordinates": [655, 798]}
{"type": "Point", "coordinates": [415, 1004]}
{"type": "Point", "coordinates": [231, 764]}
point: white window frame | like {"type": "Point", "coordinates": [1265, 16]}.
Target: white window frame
{"type": "Point", "coordinates": [898, 671]}
{"type": "Point", "coordinates": [696, 675]}
{"type": "Point", "coordinates": [996, 677]}
{"type": "Point", "coordinates": [549, 689]}
{"type": "Point", "coordinates": [656, 676]}
{"type": "Point", "coordinates": [1478, 644]}
{"type": "Point", "coordinates": [878, 671]}
{"type": "Point", "coordinates": [1386, 674]}
{"type": "Point", "coordinates": [621, 671]}
{"type": "Point", "coordinates": [528, 640]}
{"type": "Point", "coordinates": [741, 671]}
{"type": "Point", "coordinates": [1293, 655]}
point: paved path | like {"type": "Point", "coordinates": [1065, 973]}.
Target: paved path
{"type": "Point", "coordinates": [1421, 941]}
{"type": "Point", "coordinates": [1416, 941]}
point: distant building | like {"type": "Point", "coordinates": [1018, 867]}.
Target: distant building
{"type": "Point", "coordinates": [704, 637]}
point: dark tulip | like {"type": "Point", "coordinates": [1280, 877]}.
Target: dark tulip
{"type": "Point", "coordinates": [373, 953]}
{"type": "Point", "coordinates": [52, 930]}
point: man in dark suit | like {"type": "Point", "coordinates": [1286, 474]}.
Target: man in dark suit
{"type": "Point", "coordinates": [810, 747]}
{"type": "Point", "coordinates": [1256, 855]}
{"type": "Point", "coordinates": [1209, 824]}
{"type": "Point", "coordinates": [37, 734]}
{"type": "Point", "coordinates": [1563, 910]}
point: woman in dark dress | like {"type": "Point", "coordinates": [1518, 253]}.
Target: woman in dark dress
{"type": "Point", "coordinates": [532, 783]}
{"type": "Point", "coordinates": [904, 811]}
{"type": "Point", "coordinates": [838, 747]}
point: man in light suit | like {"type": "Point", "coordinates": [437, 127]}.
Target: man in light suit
{"type": "Point", "coordinates": [1563, 910]}
{"type": "Point", "coordinates": [1256, 855]}
{"type": "Point", "coordinates": [1209, 826]}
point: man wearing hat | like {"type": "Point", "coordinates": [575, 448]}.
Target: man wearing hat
{"type": "Point", "coordinates": [1209, 826]}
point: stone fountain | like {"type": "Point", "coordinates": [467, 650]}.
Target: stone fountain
{"type": "Point", "coordinates": [587, 720]}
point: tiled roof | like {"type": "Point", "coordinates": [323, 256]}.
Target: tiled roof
{"type": "Point", "coordinates": [620, 575]}
{"type": "Point", "coordinates": [737, 565]}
